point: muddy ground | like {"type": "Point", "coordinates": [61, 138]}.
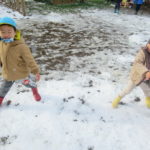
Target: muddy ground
{"type": "Point", "coordinates": [90, 48]}
{"type": "Point", "coordinates": [60, 47]}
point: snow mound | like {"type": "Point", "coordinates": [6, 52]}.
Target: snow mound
{"type": "Point", "coordinates": [4, 11]}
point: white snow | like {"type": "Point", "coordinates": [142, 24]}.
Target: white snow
{"type": "Point", "coordinates": [72, 114]}
{"type": "Point", "coordinates": [5, 11]}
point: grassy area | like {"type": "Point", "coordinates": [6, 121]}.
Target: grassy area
{"type": "Point", "coordinates": [47, 6]}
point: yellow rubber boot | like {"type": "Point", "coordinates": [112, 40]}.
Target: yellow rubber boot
{"type": "Point", "coordinates": [147, 101]}
{"type": "Point", "coordinates": [116, 102]}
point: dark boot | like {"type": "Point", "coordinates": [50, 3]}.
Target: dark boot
{"type": "Point", "coordinates": [36, 94]}
{"type": "Point", "coordinates": [1, 100]}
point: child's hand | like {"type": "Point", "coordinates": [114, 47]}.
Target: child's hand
{"type": "Point", "coordinates": [37, 77]}
{"type": "Point", "coordinates": [147, 76]}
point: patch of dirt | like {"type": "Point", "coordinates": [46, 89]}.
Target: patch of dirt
{"type": "Point", "coordinates": [54, 45]}
{"type": "Point", "coordinates": [7, 139]}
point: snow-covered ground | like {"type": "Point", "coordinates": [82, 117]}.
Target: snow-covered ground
{"type": "Point", "coordinates": [85, 59]}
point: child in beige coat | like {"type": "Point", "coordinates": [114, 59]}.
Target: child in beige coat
{"type": "Point", "coordinates": [16, 60]}
{"type": "Point", "coordinates": [139, 76]}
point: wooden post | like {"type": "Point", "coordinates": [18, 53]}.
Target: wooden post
{"type": "Point", "coordinates": [17, 5]}
{"type": "Point", "coordinates": [23, 7]}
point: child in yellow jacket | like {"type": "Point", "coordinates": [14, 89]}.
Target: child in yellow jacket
{"type": "Point", "coordinates": [139, 76]}
{"type": "Point", "coordinates": [16, 60]}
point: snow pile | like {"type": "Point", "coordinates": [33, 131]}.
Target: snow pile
{"type": "Point", "coordinates": [4, 11]}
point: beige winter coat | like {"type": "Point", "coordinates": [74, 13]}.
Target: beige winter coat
{"type": "Point", "coordinates": [138, 69]}
{"type": "Point", "coordinates": [16, 60]}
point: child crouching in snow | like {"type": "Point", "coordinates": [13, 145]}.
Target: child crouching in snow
{"type": "Point", "coordinates": [139, 76]}
{"type": "Point", "coordinates": [16, 60]}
